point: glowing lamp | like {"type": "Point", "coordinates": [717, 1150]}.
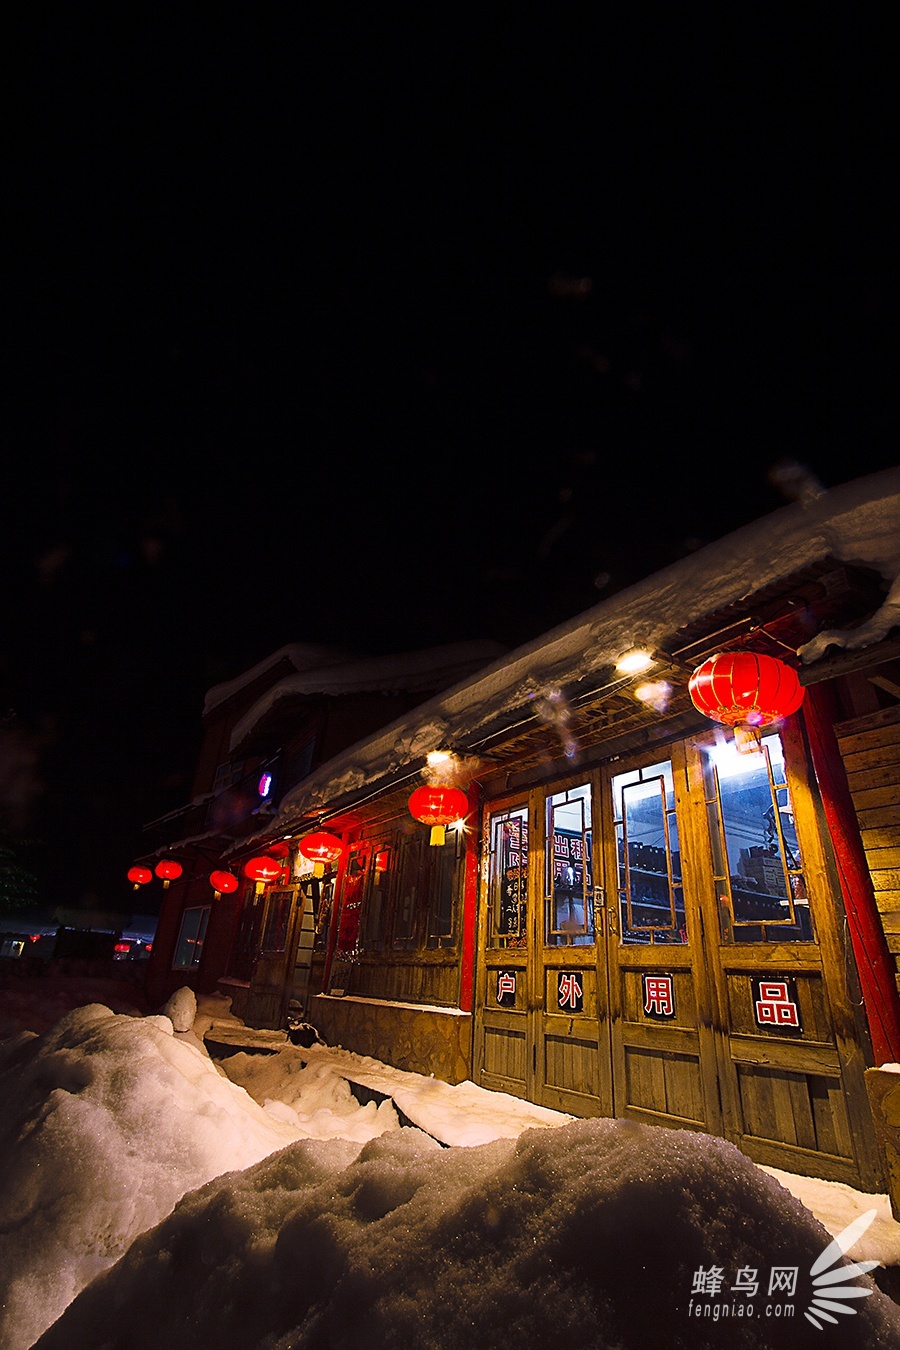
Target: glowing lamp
{"type": "Point", "coordinates": [223, 883]}
{"type": "Point", "coordinates": [321, 848]}
{"type": "Point", "coordinates": [139, 876]}
{"type": "Point", "coordinates": [747, 691]}
{"type": "Point", "coordinates": [168, 870]}
{"type": "Point", "coordinates": [438, 807]}
{"type": "Point", "coordinates": [262, 870]}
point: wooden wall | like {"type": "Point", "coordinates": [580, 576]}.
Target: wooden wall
{"type": "Point", "coordinates": [420, 1040]}
{"type": "Point", "coordinates": [870, 749]}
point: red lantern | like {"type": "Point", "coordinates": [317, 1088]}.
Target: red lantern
{"type": "Point", "coordinates": [139, 876]}
{"type": "Point", "coordinates": [321, 848]}
{"type": "Point", "coordinates": [223, 883]}
{"type": "Point", "coordinates": [438, 806]}
{"type": "Point", "coordinates": [747, 691]}
{"type": "Point", "coordinates": [168, 870]}
{"type": "Point", "coordinates": [262, 870]}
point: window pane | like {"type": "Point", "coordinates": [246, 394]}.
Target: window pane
{"type": "Point", "coordinates": [190, 939]}
{"type": "Point", "coordinates": [376, 902]}
{"type": "Point", "coordinates": [278, 914]}
{"type": "Point", "coordinates": [651, 899]}
{"type": "Point", "coordinates": [408, 885]}
{"type": "Point", "coordinates": [508, 878]}
{"type": "Point", "coordinates": [761, 888]}
{"type": "Point", "coordinates": [569, 883]}
{"type": "Point", "coordinates": [446, 884]}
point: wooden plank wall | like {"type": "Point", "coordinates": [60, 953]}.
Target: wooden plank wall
{"type": "Point", "coordinates": [870, 749]}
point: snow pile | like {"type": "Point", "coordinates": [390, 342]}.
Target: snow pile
{"type": "Point", "coordinates": [105, 1122]}
{"type": "Point", "coordinates": [590, 1235]}
{"type": "Point", "coordinates": [461, 1114]}
{"type": "Point", "coordinates": [314, 1098]}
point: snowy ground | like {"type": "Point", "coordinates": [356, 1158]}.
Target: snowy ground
{"type": "Point", "coordinates": [150, 1196]}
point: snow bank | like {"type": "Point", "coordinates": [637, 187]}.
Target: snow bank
{"type": "Point", "coordinates": [105, 1122]}
{"type": "Point", "coordinates": [590, 1235]}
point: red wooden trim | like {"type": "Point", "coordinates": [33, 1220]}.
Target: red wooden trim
{"type": "Point", "coordinates": [874, 962]}
{"type": "Point", "coordinates": [337, 908]}
{"type": "Point", "coordinates": [470, 903]}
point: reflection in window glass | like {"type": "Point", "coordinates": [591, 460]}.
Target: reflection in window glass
{"type": "Point", "coordinates": [447, 864]}
{"type": "Point", "coordinates": [756, 856]}
{"type": "Point", "coordinates": [375, 906]}
{"type": "Point", "coordinates": [409, 882]}
{"type": "Point", "coordinates": [651, 899]}
{"type": "Point", "coordinates": [278, 914]}
{"type": "Point", "coordinates": [324, 912]}
{"type": "Point", "coordinates": [508, 878]}
{"type": "Point", "coordinates": [569, 882]}
{"type": "Point", "coordinates": [190, 939]}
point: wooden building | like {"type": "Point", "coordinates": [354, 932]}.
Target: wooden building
{"type": "Point", "coordinates": [634, 919]}
{"type": "Point", "coordinates": [268, 728]}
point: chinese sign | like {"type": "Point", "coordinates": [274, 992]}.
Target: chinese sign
{"type": "Point", "coordinates": [506, 988]}
{"type": "Point", "coordinates": [570, 991]}
{"type": "Point", "coordinates": [659, 995]}
{"type": "Point", "coordinates": [514, 876]}
{"type": "Point", "coordinates": [775, 1004]}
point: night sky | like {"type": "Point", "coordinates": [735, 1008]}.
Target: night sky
{"type": "Point", "coordinates": [391, 332]}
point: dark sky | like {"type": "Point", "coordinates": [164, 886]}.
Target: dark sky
{"type": "Point", "coordinates": [390, 331]}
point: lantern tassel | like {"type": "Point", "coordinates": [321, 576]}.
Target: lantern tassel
{"type": "Point", "coordinates": [438, 834]}
{"type": "Point", "coordinates": [747, 739]}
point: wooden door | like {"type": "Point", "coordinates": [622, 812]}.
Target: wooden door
{"type": "Point", "coordinates": [274, 964]}
{"type": "Point", "coordinates": [569, 1027]}
{"type": "Point", "coordinates": [790, 1062]}
{"type": "Point", "coordinates": [503, 1050]}
{"type": "Point", "coordinates": [662, 1039]}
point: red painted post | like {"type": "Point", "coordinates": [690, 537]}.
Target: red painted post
{"type": "Point", "coordinates": [873, 960]}
{"type": "Point", "coordinates": [470, 903]}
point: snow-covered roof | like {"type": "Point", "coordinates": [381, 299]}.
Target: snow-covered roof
{"type": "Point", "coordinates": [857, 523]}
{"type": "Point", "coordinates": [302, 656]}
{"type": "Point", "coordinates": [430, 669]}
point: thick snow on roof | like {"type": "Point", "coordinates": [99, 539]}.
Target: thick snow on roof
{"type": "Point", "coordinates": [432, 668]}
{"type": "Point", "coordinates": [858, 522]}
{"type": "Point", "coordinates": [322, 1221]}
{"type": "Point", "coordinates": [302, 656]}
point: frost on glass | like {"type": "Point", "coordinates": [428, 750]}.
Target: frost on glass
{"type": "Point", "coordinates": [569, 883]}
{"type": "Point", "coordinates": [651, 898]}
{"type": "Point", "coordinates": [756, 857]}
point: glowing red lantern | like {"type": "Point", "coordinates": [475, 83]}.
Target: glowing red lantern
{"type": "Point", "coordinates": [438, 806]}
{"type": "Point", "coordinates": [223, 883]}
{"type": "Point", "coordinates": [321, 848]}
{"type": "Point", "coordinates": [168, 870]}
{"type": "Point", "coordinates": [747, 691]}
{"type": "Point", "coordinates": [262, 870]}
{"type": "Point", "coordinates": [139, 876]}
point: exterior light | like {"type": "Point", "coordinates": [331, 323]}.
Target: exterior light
{"type": "Point", "coordinates": [223, 883]}
{"type": "Point", "coordinates": [168, 870]}
{"type": "Point", "coordinates": [438, 807]}
{"type": "Point", "coordinates": [634, 661]}
{"type": "Point", "coordinates": [139, 876]}
{"type": "Point", "coordinates": [262, 870]}
{"type": "Point", "coordinates": [321, 848]}
{"type": "Point", "coordinates": [747, 691]}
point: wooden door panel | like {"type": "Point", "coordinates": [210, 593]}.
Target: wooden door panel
{"type": "Point", "coordinates": [663, 1087]}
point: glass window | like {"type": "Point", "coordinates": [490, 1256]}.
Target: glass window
{"type": "Point", "coordinates": [324, 909]}
{"type": "Point", "coordinates": [756, 856]}
{"type": "Point", "coordinates": [651, 898]}
{"type": "Point", "coordinates": [375, 906]}
{"type": "Point", "coordinates": [569, 882]}
{"type": "Point", "coordinates": [409, 883]}
{"type": "Point", "coordinates": [190, 938]}
{"type": "Point", "coordinates": [447, 870]}
{"type": "Point", "coordinates": [508, 878]}
{"type": "Point", "coordinates": [278, 916]}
